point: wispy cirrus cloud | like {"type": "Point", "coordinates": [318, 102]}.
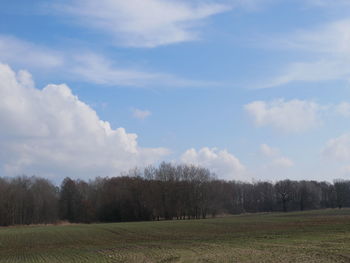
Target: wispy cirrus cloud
{"type": "Point", "coordinates": [27, 54]}
{"type": "Point", "coordinates": [87, 66]}
{"type": "Point", "coordinates": [98, 69]}
{"type": "Point", "coordinates": [327, 3]}
{"type": "Point", "coordinates": [327, 44]}
{"type": "Point", "coordinates": [147, 23]}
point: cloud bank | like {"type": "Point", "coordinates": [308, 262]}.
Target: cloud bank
{"type": "Point", "coordinates": [52, 133]}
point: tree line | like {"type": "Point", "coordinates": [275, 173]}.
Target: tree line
{"type": "Point", "coordinates": [165, 192]}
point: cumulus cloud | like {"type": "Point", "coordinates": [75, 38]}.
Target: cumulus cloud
{"type": "Point", "coordinates": [147, 23]}
{"type": "Point", "coordinates": [50, 132]}
{"type": "Point", "coordinates": [288, 116]}
{"type": "Point", "coordinates": [141, 114]}
{"type": "Point", "coordinates": [223, 163]}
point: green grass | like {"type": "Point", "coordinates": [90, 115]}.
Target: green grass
{"type": "Point", "coordinates": [313, 236]}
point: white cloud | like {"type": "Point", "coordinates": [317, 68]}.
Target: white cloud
{"type": "Point", "coordinates": [329, 44]}
{"type": "Point", "coordinates": [259, 4]}
{"type": "Point", "coordinates": [327, 3]}
{"type": "Point", "coordinates": [282, 162]}
{"type": "Point", "coordinates": [86, 66]}
{"type": "Point", "coordinates": [275, 158]}
{"type": "Point", "coordinates": [268, 151]}
{"type": "Point", "coordinates": [141, 114]}
{"type": "Point", "coordinates": [332, 38]}
{"type": "Point", "coordinates": [292, 116]}
{"type": "Point", "coordinates": [51, 132]}
{"type": "Point", "coordinates": [338, 148]}
{"type": "Point", "coordinates": [100, 70]}
{"type": "Point", "coordinates": [223, 163]}
{"type": "Point", "coordinates": [26, 54]}
{"type": "Point", "coordinates": [345, 170]}
{"type": "Point", "coordinates": [147, 23]}
{"type": "Point", "coordinates": [252, 4]}
{"type": "Point", "coordinates": [343, 109]}
{"type": "Point", "coordinates": [317, 71]}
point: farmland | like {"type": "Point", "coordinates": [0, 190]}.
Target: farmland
{"type": "Point", "coordinates": [312, 236]}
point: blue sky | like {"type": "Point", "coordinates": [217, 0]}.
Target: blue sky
{"type": "Point", "coordinates": [252, 89]}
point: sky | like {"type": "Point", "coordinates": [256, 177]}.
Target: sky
{"type": "Point", "coordinates": [250, 89]}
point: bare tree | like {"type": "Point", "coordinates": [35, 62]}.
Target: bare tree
{"type": "Point", "coordinates": [284, 191]}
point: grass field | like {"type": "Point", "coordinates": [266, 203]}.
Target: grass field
{"type": "Point", "coordinates": [313, 236]}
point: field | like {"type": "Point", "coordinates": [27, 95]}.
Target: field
{"type": "Point", "coordinates": [313, 236]}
